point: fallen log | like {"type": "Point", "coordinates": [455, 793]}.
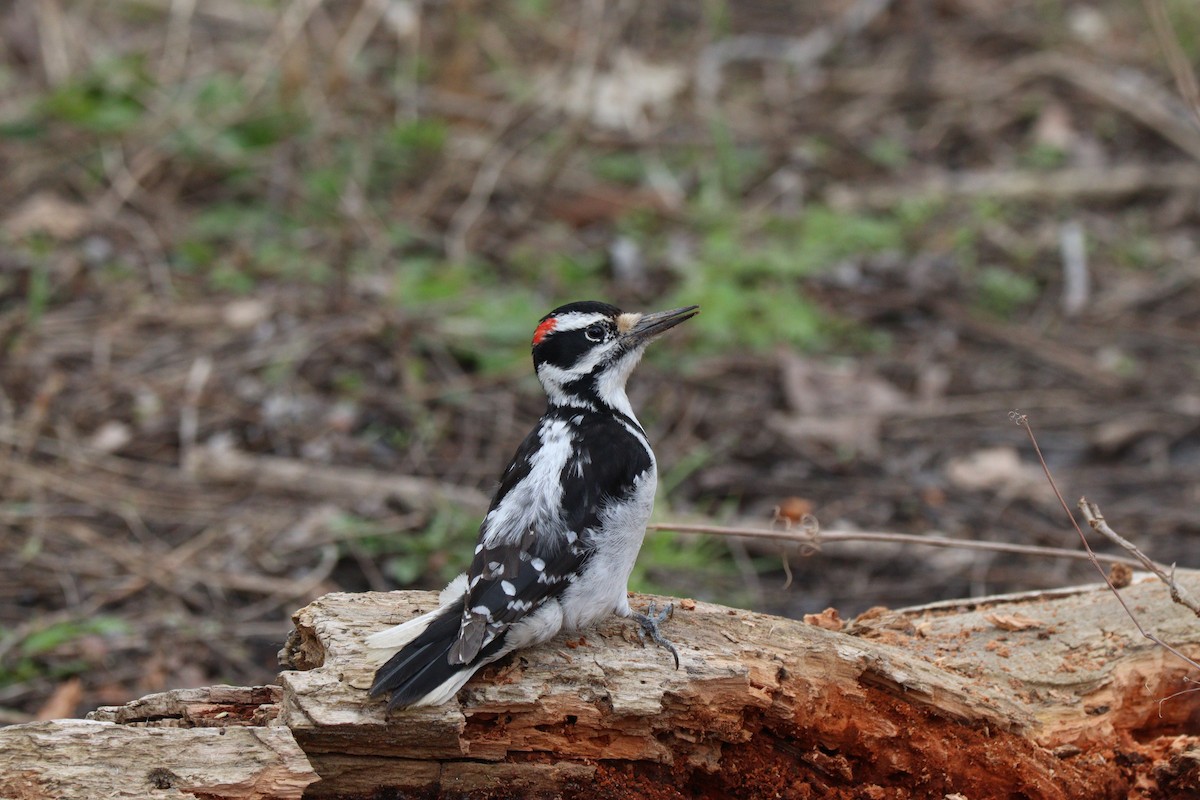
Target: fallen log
{"type": "Point", "coordinates": [92, 759]}
{"type": "Point", "coordinates": [1048, 695]}
{"type": "Point", "coordinates": [1041, 695]}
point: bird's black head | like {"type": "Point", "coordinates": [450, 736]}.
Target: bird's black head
{"type": "Point", "coordinates": [584, 352]}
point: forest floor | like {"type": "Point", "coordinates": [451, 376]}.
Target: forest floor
{"type": "Point", "coordinates": [268, 273]}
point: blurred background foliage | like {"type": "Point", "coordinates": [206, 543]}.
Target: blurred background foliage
{"type": "Point", "coordinates": [258, 259]}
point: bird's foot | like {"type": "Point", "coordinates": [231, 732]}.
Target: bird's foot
{"type": "Point", "coordinates": [650, 622]}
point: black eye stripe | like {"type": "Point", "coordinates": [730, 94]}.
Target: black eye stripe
{"type": "Point", "coordinates": [564, 348]}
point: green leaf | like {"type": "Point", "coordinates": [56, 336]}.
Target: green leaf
{"type": "Point", "coordinates": [54, 636]}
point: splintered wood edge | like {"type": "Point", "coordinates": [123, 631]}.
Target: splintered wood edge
{"type": "Point", "coordinates": [90, 758]}
{"type": "Point", "coordinates": [207, 706]}
{"type": "Point", "coordinates": [1071, 657]}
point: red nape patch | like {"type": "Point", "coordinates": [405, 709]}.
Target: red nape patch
{"type": "Point", "coordinates": [546, 326]}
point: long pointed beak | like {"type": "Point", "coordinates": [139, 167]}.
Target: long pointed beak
{"type": "Point", "coordinates": [647, 327]}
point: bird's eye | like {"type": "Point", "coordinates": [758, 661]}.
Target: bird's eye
{"type": "Point", "coordinates": [595, 333]}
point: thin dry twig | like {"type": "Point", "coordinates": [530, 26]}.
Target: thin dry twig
{"type": "Point", "coordinates": [802, 52]}
{"type": "Point", "coordinates": [52, 37]}
{"type": "Point", "coordinates": [1126, 89]}
{"type": "Point", "coordinates": [221, 463]}
{"type": "Point", "coordinates": [288, 29]}
{"type": "Point", "coordinates": [1022, 421]}
{"type": "Point", "coordinates": [812, 539]}
{"type": "Point", "coordinates": [1068, 183]}
{"type": "Point", "coordinates": [1091, 513]}
{"type": "Point", "coordinates": [189, 415]}
{"type": "Point", "coordinates": [1177, 59]}
{"type": "Point", "coordinates": [1057, 355]}
{"type": "Point", "coordinates": [354, 38]}
{"type": "Point", "coordinates": [179, 34]}
{"type": "Point", "coordinates": [604, 29]}
{"type": "Point", "coordinates": [465, 217]}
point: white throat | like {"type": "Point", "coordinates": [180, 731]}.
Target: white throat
{"type": "Point", "coordinates": [609, 385]}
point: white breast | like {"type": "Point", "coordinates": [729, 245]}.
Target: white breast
{"type": "Point", "coordinates": [602, 587]}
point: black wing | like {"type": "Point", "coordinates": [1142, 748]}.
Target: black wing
{"type": "Point", "coordinates": [515, 576]}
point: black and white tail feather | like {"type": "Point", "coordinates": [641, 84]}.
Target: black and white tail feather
{"type": "Point", "coordinates": [558, 543]}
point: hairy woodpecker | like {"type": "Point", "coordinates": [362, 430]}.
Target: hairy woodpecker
{"type": "Point", "coordinates": [559, 540]}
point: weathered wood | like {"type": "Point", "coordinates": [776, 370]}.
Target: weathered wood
{"type": "Point", "coordinates": [207, 706]}
{"type": "Point", "coordinates": [94, 759]}
{"type": "Point", "coordinates": [1045, 695]}
{"type": "Point", "coordinates": [1034, 695]}
{"type": "Point", "coordinates": [1070, 659]}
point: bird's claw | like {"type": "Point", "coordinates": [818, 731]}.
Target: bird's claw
{"type": "Point", "coordinates": [649, 623]}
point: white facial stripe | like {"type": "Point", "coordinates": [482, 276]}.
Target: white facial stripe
{"type": "Point", "coordinates": [549, 373]}
{"type": "Point", "coordinates": [576, 320]}
{"type": "Point", "coordinates": [554, 376]}
{"type": "Point", "coordinates": [626, 321]}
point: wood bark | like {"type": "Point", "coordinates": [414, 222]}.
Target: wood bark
{"type": "Point", "coordinates": [1045, 695]}
{"type": "Point", "coordinates": [97, 758]}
